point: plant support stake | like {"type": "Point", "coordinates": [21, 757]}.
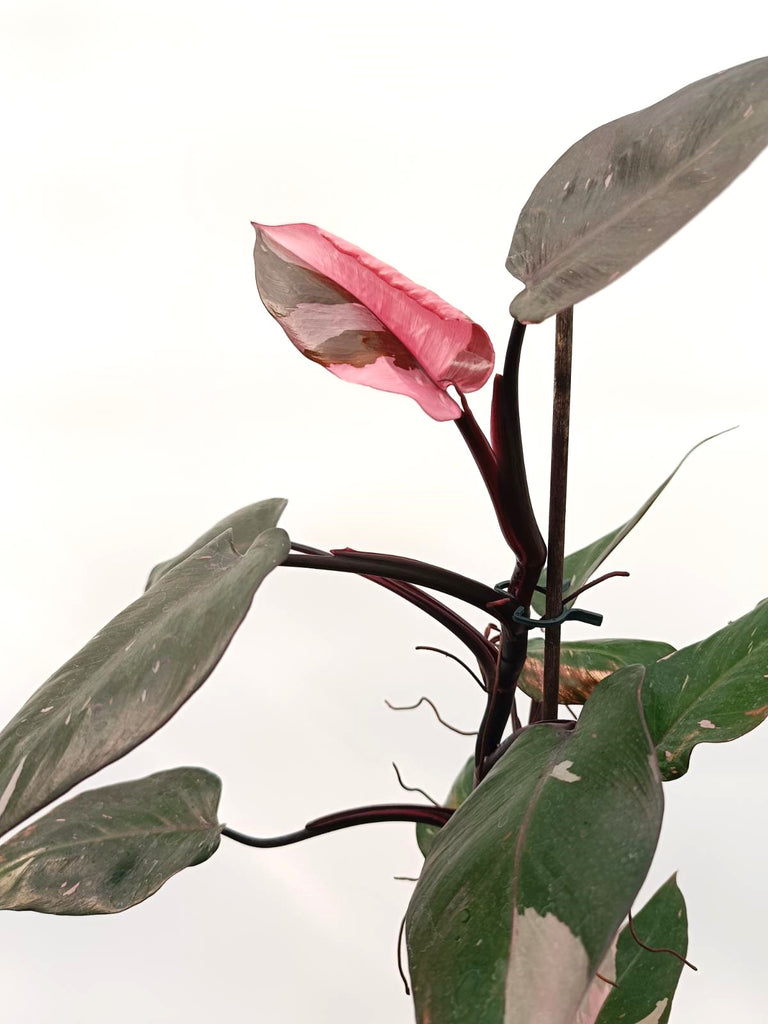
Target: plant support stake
{"type": "Point", "coordinates": [558, 481]}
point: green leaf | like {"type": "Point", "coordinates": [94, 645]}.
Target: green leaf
{"type": "Point", "coordinates": [625, 188]}
{"type": "Point", "coordinates": [108, 849]}
{"type": "Point", "coordinates": [460, 790]}
{"type": "Point", "coordinates": [586, 663]}
{"type": "Point", "coordinates": [646, 982]}
{"type": "Point", "coordinates": [525, 887]}
{"type": "Point", "coordinates": [246, 524]}
{"type": "Point", "coordinates": [580, 566]}
{"type": "Point", "coordinates": [132, 676]}
{"type": "Point", "coordinates": [710, 692]}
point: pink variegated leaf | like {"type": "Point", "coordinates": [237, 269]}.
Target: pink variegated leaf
{"type": "Point", "coordinates": [365, 322]}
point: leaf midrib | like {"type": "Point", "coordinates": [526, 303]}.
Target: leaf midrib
{"type": "Point", "coordinates": [124, 834]}
{"type": "Point", "coordinates": [586, 240]}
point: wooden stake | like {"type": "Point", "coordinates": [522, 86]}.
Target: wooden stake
{"type": "Point", "coordinates": [561, 411]}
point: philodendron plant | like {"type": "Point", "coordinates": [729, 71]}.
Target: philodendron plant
{"type": "Point", "coordinates": [522, 912]}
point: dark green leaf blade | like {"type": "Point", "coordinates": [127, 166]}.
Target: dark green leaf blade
{"type": "Point", "coordinates": [586, 663]}
{"type": "Point", "coordinates": [459, 791]}
{"type": "Point", "coordinates": [710, 692]}
{"type": "Point", "coordinates": [581, 565]}
{"type": "Point", "coordinates": [516, 882]}
{"type": "Point", "coordinates": [628, 186]}
{"type": "Point", "coordinates": [246, 524]}
{"type": "Point", "coordinates": [646, 982]}
{"type": "Point", "coordinates": [132, 676]}
{"type": "Point", "coordinates": [110, 848]}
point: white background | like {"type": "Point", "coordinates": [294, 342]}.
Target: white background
{"type": "Point", "coordinates": [145, 393]}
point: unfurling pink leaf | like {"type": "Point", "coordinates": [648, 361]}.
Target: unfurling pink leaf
{"type": "Point", "coordinates": [365, 322]}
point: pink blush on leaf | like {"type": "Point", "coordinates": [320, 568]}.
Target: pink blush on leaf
{"type": "Point", "coordinates": [365, 322]}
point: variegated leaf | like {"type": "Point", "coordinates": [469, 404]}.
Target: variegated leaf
{"type": "Point", "coordinates": [538, 867]}
{"type": "Point", "coordinates": [625, 188]}
{"type": "Point", "coordinates": [646, 981]}
{"type": "Point", "coordinates": [108, 849]}
{"type": "Point", "coordinates": [366, 322]}
{"type": "Point", "coordinates": [246, 524]}
{"type": "Point", "coordinates": [710, 692]}
{"type": "Point", "coordinates": [133, 675]}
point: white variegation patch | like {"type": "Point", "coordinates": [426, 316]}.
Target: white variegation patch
{"type": "Point", "coordinates": [533, 994]}
{"type": "Point", "coordinates": [656, 1014]}
{"type": "Point", "coordinates": [560, 771]}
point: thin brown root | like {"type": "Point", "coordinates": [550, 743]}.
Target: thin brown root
{"type": "Point", "coordinates": [404, 878]}
{"type": "Point", "coordinates": [413, 789]}
{"type": "Point", "coordinates": [400, 935]}
{"type": "Point", "coordinates": [607, 981]}
{"type": "Point", "coordinates": [657, 949]}
{"type": "Point", "coordinates": [594, 583]}
{"type": "Point", "coordinates": [426, 700]}
{"type": "Point", "coordinates": [492, 628]}
{"type": "Point", "coordinates": [453, 657]}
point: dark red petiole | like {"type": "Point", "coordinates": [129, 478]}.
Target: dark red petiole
{"type": "Point", "coordinates": [418, 813]}
{"type": "Point", "coordinates": [502, 466]}
{"type": "Point", "coordinates": [474, 640]}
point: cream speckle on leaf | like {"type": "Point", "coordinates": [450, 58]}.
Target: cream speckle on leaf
{"type": "Point", "coordinates": [8, 791]}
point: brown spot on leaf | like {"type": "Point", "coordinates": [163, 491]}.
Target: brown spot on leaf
{"type": "Point", "coordinates": [576, 682]}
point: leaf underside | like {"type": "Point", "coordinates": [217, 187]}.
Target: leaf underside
{"type": "Point", "coordinates": [625, 188]}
